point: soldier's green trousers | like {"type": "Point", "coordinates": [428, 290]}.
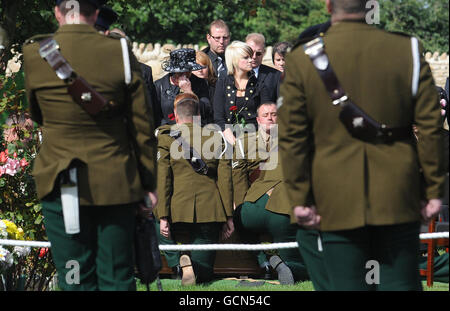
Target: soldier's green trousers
{"type": "Point", "coordinates": [193, 233]}
{"type": "Point", "coordinates": [255, 219]}
{"type": "Point", "coordinates": [100, 257]}
{"type": "Point", "coordinates": [382, 258]}
{"type": "Point", "coordinates": [309, 245]}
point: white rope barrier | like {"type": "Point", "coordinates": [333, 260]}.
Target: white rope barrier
{"type": "Point", "coordinates": [434, 235]}
{"type": "Point", "coordinates": [221, 247]}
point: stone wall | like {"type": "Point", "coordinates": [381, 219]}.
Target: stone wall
{"type": "Point", "coordinates": [154, 54]}
{"type": "Point", "coordinates": [439, 67]}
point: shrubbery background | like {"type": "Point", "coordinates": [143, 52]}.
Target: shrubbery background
{"type": "Point", "coordinates": [19, 142]}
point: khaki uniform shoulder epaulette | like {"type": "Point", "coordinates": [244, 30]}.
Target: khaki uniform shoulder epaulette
{"type": "Point", "coordinates": [400, 33]}
{"type": "Point", "coordinates": [38, 38]}
{"type": "Point", "coordinates": [212, 127]}
{"type": "Point", "coordinates": [300, 42]}
{"type": "Point", "coordinates": [163, 129]}
{"type": "Point", "coordinates": [114, 35]}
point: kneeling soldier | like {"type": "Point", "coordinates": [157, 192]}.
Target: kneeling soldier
{"type": "Point", "coordinates": [265, 208]}
{"type": "Point", "coordinates": [195, 190]}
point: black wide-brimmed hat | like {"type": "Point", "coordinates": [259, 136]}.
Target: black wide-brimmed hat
{"type": "Point", "coordinates": [96, 3]}
{"type": "Point", "coordinates": [181, 60]}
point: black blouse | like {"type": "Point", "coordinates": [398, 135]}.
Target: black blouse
{"type": "Point", "coordinates": [166, 93]}
{"type": "Point", "coordinates": [225, 97]}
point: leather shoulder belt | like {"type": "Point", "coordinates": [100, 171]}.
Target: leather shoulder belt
{"type": "Point", "coordinates": [356, 121]}
{"type": "Point", "coordinates": [79, 89]}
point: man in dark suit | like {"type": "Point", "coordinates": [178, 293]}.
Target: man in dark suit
{"type": "Point", "coordinates": [268, 77]}
{"type": "Point", "coordinates": [218, 38]}
{"type": "Point", "coordinates": [448, 96]}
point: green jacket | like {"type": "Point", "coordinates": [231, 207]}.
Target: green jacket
{"type": "Point", "coordinates": [112, 173]}
{"type": "Point", "coordinates": [356, 183]}
{"type": "Point", "coordinates": [183, 194]}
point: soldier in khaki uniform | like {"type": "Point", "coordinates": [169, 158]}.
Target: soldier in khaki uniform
{"type": "Point", "coordinates": [114, 151]}
{"type": "Point", "coordinates": [195, 206]}
{"type": "Point", "coordinates": [366, 193]}
{"type": "Point", "coordinates": [265, 207]}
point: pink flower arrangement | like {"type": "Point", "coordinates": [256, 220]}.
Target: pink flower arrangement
{"type": "Point", "coordinates": [11, 166]}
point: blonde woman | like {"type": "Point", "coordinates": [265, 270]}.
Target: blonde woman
{"type": "Point", "coordinates": [237, 96]}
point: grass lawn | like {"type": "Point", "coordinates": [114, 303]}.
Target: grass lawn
{"type": "Point", "coordinates": [236, 285]}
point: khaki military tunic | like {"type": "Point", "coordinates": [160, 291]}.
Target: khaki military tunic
{"type": "Point", "coordinates": [251, 161]}
{"type": "Point", "coordinates": [183, 194]}
{"type": "Point", "coordinates": [356, 183]}
{"type": "Point", "coordinates": [112, 172]}
{"type": "Point", "coordinates": [271, 179]}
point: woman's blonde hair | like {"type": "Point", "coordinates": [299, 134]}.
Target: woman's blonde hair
{"type": "Point", "coordinates": [203, 59]}
{"type": "Point", "coordinates": [234, 52]}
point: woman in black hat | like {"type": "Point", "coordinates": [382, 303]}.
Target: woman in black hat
{"type": "Point", "coordinates": [180, 80]}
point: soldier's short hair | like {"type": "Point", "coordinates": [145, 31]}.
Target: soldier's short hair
{"type": "Point", "coordinates": [86, 7]}
{"type": "Point", "coordinates": [218, 23]}
{"type": "Point", "coordinates": [235, 51]}
{"type": "Point", "coordinates": [348, 6]}
{"type": "Point", "coordinates": [186, 105]}
{"type": "Point", "coordinates": [258, 38]}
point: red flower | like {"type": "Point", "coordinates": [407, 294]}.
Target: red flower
{"type": "Point", "coordinates": [171, 116]}
{"type": "Point", "coordinates": [23, 162]}
{"type": "Point", "coordinates": [233, 108]}
{"type": "Point", "coordinates": [43, 252]}
{"type": "Point", "coordinates": [3, 157]}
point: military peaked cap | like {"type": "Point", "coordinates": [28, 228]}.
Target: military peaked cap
{"type": "Point", "coordinates": [96, 3]}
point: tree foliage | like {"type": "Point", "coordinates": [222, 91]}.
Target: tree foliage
{"type": "Point", "coordinates": [178, 21]}
{"type": "Point", "coordinates": [425, 19]}
{"type": "Point", "coordinates": [284, 20]}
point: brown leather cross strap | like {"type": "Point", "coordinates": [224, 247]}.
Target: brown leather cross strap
{"type": "Point", "coordinates": [78, 88]}
{"type": "Point", "coordinates": [357, 122]}
{"type": "Point", "coordinates": [316, 52]}
{"type": "Point", "coordinates": [49, 50]}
